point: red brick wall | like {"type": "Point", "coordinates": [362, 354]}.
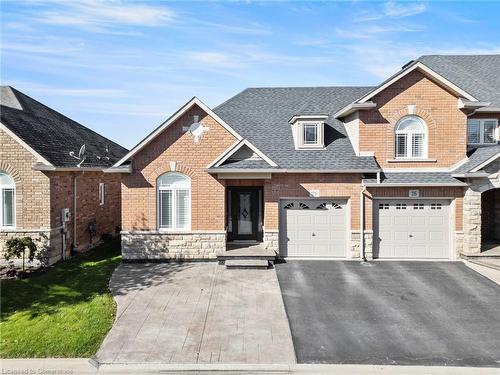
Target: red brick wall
{"type": "Point", "coordinates": [299, 185]}
{"type": "Point", "coordinates": [107, 217]}
{"type": "Point", "coordinates": [435, 105]}
{"type": "Point", "coordinates": [174, 145]}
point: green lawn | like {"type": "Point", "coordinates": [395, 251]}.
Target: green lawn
{"type": "Point", "coordinates": [65, 312]}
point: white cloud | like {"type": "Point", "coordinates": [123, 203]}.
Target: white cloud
{"type": "Point", "coordinates": [393, 9]}
{"type": "Point", "coordinates": [100, 15]}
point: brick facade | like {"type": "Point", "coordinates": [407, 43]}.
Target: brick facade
{"type": "Point", "coordinates": [447, 125]}
{"type": "Point", "coordinates": [40, 196]}
{"type": "Point", "coordinates": [175, 150]}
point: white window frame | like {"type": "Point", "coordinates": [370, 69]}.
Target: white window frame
{"type": "Point", "coordinates": [102, 192]}
{"type": "Point", "coordinates": [319, 134]}
{"type": "Point", "coordinates": [408, 134]}
{"type": "Point", "coordinates": [173, 207]}
{"type": "Point", "coordinates": [12, 187]}
{"type": "Point", "coordinates": [482, 122]}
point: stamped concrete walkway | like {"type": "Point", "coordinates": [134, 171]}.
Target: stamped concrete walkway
{"type": "Point", "coordinates": [197, 313]}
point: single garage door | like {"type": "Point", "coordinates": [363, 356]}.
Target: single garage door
{"type": "Point", "coordinates": [413, 229]}
{"type": "Point", "coordinates": [313, 228]}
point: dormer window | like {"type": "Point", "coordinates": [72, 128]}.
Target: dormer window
{"type": "Point", "coordinates": [308, 131]}
{"type": "Point", "coordinates": [311, 134]}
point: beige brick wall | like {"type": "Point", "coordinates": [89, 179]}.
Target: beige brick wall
{"type": "Point", "coordinates": [435, 105]}
{"type": "Point", "coordinates": [174, 145]}
{"type": "Point", "coordinates": [32, 187]}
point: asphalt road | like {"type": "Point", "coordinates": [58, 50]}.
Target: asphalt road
{"type": "Point", "coordinates": [406, 313]}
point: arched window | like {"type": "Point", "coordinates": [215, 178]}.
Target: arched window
{"type": "Point", "coordinates": [174, 201]}
{"type": "Point", "coordinates": [411, 138]}
{"type": "Point", "coordinates": [8, 201]}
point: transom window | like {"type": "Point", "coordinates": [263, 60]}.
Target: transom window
{"type": "Point", "coordinates": [7, 201]}
{"type": "Point", "coordinates": [174, 201]}
{"type": "Point", "coordinates": [411, 138]}
{"type": "Point", "coordinates": [482, 131]}
{"type": "Point", "coordinates": [311, 134]}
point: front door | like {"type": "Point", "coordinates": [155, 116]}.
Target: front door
{"type": "Point", "coordinates": [244, 211]}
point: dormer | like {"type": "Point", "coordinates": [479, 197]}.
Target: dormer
{"type": "Point", "coordinates": [308, 131]}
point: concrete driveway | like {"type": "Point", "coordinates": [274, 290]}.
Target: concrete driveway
{"type": "Point", "coordinates": [196, 313]}
{"type": "Point", "coordinates": [410, 313]}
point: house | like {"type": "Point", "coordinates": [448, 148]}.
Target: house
{"type": "Point", "coordinates": [408, 169]}
{"type": "Point", "coordinates": [52, 182]}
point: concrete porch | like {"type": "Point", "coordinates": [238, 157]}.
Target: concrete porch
{"type": "Point", "coordinates": [246, 255]}
{"type": "Point", "coordinates": [488, 257]}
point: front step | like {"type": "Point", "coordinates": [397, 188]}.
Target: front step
{"type": "Point", "coordinates": [247, 263]}
{"type": "Point", "coordinates": [488, 262]}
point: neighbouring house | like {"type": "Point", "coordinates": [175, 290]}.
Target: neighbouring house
{"type": "Point", "coordinates": [53, 189]}
{"type": "Point", "coordinates": [408, 169]}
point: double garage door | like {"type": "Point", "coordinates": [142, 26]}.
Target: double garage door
{"type": "Point", "coordinates": [403, 228]}
{"type": "Point", "coordinates": [313, 228]}
{"type": "Point", "coordinates": [411, 229]}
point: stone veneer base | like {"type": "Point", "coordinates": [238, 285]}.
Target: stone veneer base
{"type": "Point", "coordinates": [162, 246]}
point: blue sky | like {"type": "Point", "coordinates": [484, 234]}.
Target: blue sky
{"type": "Point", "coordinates": [121, 68]}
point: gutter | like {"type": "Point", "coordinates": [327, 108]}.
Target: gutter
{"type": "Point", "coordinates": [51, 168]}
{"type": "Point", "coordinates": [120, 169]}
{"type": "Point", "coordinates": [351, 108]}
{"type": "Point", "coordinates": [271, 170]}
{"type": "Point", "coordinates": [410, 184]}
{"type": "Point", "coordinates": [470, 175]}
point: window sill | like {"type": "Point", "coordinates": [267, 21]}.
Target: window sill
{"type": "Point", "coordinates": [411, 160]}
{"type": "Point", "coordinates": [173, 230]}
{"type": "Point", "coordinates": [311, 147]}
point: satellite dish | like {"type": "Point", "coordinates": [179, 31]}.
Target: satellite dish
{"type": "Point", "coordinates": [82, 151]}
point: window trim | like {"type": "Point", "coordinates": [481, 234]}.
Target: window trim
{"type": "Point", "coordinates": [408, 136]}
{"type": "Point", "coordinates": [481, 131]}
{"type": "Point", "coordinates": [102, 193]}
{"type": "Point", "coordinates": [173, 207]}
{"type": "Point", "coordinates": [319, 125]}
{"type": "Point", "coordinates": [14, 205]}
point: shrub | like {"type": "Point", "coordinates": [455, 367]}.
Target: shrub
{"type": "Point", "coordinates": [16, 247]}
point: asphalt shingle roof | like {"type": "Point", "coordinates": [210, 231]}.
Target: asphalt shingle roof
{"type": "Point", "coordinates": [479, 75]}
{"type": "Point", "coordinates": [261, 115]}
{"type": "Point", "coordinates": [52, 134]}
{"type": "Point", "coordinates": [478, 157]}
{"type": "Point", "coordinates": [245, 164]}
{"type": "Point", "coordinates": [415, 178]}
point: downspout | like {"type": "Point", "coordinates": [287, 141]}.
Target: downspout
{"type": "Point", "coordinates": [362, 225]}
{"type": "Point", "coordinates": [75, 246]}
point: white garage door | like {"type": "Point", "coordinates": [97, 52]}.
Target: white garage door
{"type": "Point", "coordinates": [413, 229]}
{"type": "Point", "coordinates": [313, 228]}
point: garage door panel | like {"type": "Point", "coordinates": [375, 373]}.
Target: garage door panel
{"type": "Point", "coordinates": [304, 220]}
{"type": "Point", "coordinates": [398, 220]}
{"type": "Point", "coordinates": [317, 231]}
{"type": "Point", "coordinates": [434, 220]}
{"type": "Point", "coordinates": [321, 220]}
{"type": "Point", "coordinates": [417, 220]}
{"type": "Point", "coordinates": [420, 231]}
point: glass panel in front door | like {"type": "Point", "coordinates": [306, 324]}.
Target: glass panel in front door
{"type": "Point", "coordinates": [245, 214]}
